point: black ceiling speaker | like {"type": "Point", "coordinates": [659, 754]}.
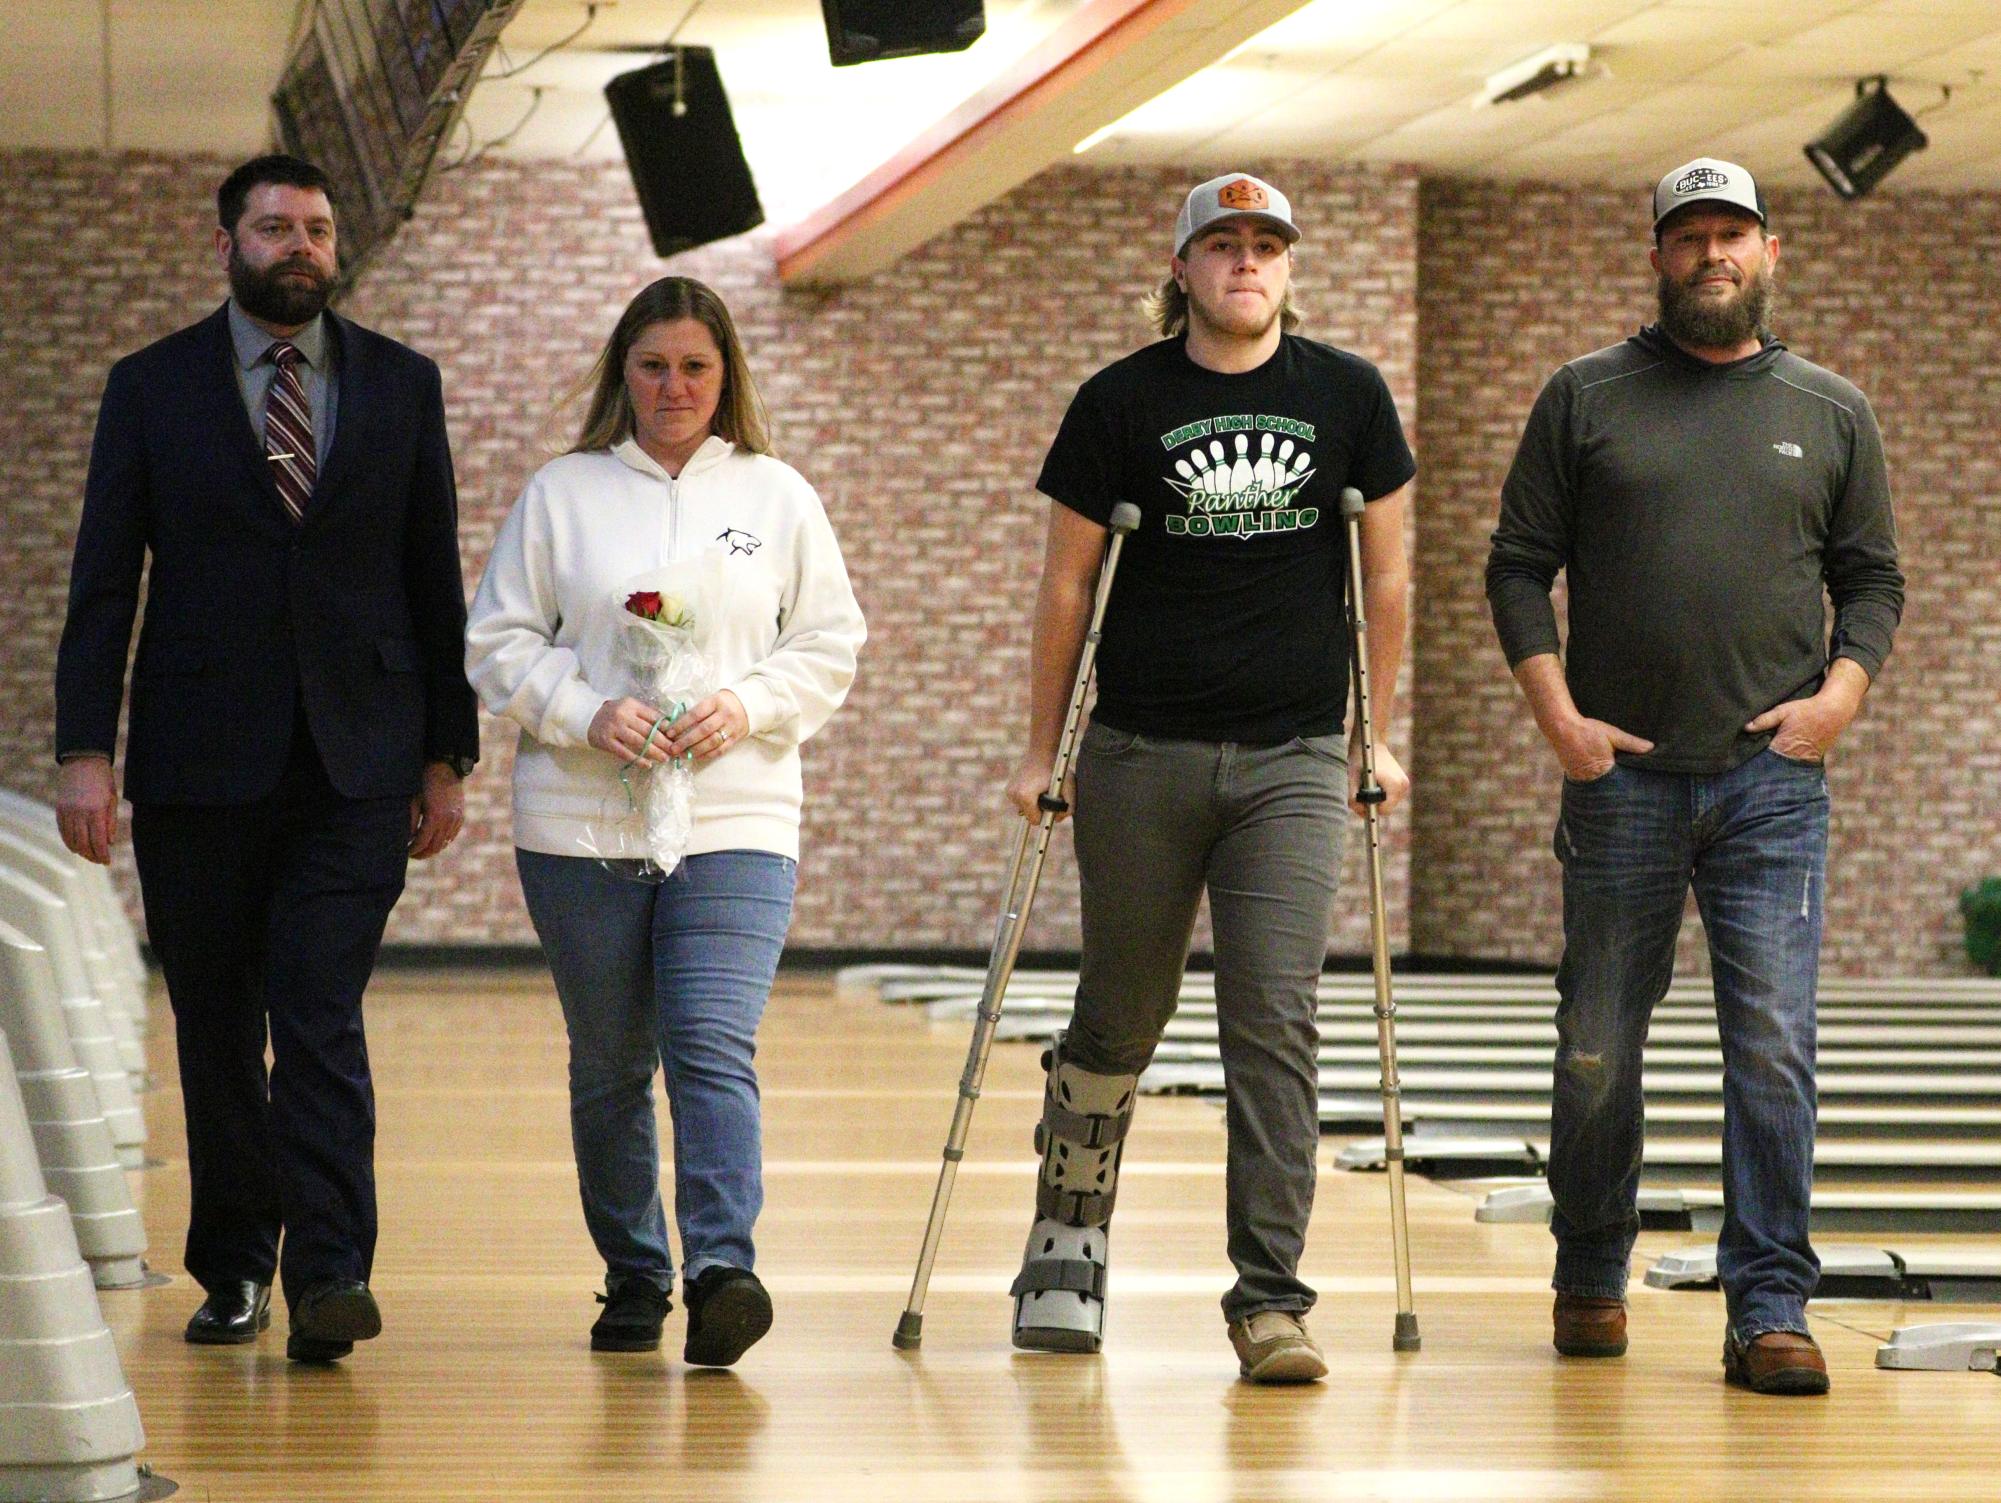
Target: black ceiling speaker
{"type": "Point", "coordinates": [1872, 136]}
{"type": "Point", "coordinates": [866, 31]}
{"type": "Point", "coordinates": [681, 144]}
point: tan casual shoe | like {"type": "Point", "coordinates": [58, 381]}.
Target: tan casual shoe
{"type": "Point", "coordinates": [1273, 1347]}
{"type": "Point", "coordinates": [1776, 1362]}
{"type": "Point", "coordinates": [1589, 1326]}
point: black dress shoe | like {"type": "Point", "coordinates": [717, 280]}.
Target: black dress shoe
{"type": "Point", "coordinates": [329, 1318]}
{"type": "Point", "coordinates": [232, 1315]}
{"type": "Point", "coordinates": [310, 1349]}
{"type": "Point", "coordinates": [728, 1312]}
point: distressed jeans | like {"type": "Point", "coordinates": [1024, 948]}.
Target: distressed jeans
{"type": "Point", "coordinates": [1753, 843]}
{"type": "Point", "coordinates": [1260, 828]}
{"type": "Point", "coordinates": [671, 975]}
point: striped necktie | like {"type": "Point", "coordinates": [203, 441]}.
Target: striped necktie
{"type": "Point", "coordinates": [288, 431]}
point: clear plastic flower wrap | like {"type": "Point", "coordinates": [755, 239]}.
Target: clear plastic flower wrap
{"type": "Point", "coordinates": [648, 817]}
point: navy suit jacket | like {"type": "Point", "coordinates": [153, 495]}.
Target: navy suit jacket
{"type": "Point", "coordinates": [359, 613]}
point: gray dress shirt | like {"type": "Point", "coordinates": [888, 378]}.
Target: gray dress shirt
{"type": "Point", "coordinates": [255, 371]}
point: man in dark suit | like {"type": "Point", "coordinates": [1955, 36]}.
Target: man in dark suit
{"type": "Point", "coordinates": [300, 725]}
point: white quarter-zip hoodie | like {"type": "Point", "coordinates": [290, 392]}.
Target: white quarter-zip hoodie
{"type": "Point", "coordinates": [780, 625]}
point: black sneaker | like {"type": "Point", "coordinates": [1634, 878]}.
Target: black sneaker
{"type": "Point", "coordinates": [634, 1310]}
{"type": "Point", "coordinates": [728, 1312]}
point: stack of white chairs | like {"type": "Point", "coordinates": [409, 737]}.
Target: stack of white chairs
{"type": "Point", "coordinates": [67, 877]}
{"type": "Point", "coordinates": [72, 1013]}
{"type": "Point", "coordinates": [69, 907]}
{"type": "Point", "coordinates": [69, 1426]}
{"type": "Point", "coordinates": [72, 1139]}
{"type": "Point", "coordinates": [111, 943]}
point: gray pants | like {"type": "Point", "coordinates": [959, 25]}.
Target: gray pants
{"type": "Point", "coordinates": [1261, 828]}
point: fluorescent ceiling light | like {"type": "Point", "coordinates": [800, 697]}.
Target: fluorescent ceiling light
{"type": "Point", "coordinates": [1532, 75]}
{"type": "Point", "coordinates": [1095, 137]}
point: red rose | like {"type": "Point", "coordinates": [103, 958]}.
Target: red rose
{"type": "Point", "coordinates": [644, 603]}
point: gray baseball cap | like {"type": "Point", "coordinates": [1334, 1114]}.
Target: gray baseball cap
{"type": "Point", "coordinates": [1227, 196]}
{"type": "Point", "coordinates": [1707, 180]}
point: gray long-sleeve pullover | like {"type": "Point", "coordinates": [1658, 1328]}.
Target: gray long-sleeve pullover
{"type": "Point", "coordinates": [1699, 512]}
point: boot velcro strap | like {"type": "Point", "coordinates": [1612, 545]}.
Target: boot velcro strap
{"type": "Point", "coordinates": [1081, 1130]}
{"type": "Point", "coordinates": [1042, 1275]}
{"type": "Point", "coordinates": [1073, 1207]}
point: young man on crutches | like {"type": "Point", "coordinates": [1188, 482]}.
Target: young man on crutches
{"type": "Point", "coordinates": [1215, 758]}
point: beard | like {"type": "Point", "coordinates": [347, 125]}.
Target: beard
{"type": "Point", "coordinates": [1222, 318]}
{"type": "Point", "coordinates": [1692, 319]}
{"type": "Point", "coordinates": [268, 295]}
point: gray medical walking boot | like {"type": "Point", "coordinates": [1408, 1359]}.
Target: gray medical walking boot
{"type": "Point", "coordinates": [1059, 1297]}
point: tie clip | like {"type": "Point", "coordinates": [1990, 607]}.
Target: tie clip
{"type": "Point", "coordinates": [281, 456]}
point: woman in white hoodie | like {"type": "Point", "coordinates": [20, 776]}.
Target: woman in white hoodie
{"type": "Point", "coordinates": [672, 472]}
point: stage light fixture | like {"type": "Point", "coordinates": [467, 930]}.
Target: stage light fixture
{"type": "Point", "coordinates": [1866, 142]}
{"type": "Point", "coordinates": [867, 31]}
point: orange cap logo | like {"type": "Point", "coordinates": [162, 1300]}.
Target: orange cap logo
{"type": "Point", "coordinates": [1243, 194]}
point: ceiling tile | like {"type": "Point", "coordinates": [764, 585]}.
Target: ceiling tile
{"type": "Point", "coordinates": [1528, 26]}
{"type": "Point", "coordinates": [1335, 30]}
{"type": "Point", "coordinates": [1854, 46]}
{"type": "Point", "coordinates": [1380, 80]}
{"type": "Point", "coordinates": [52, 81]}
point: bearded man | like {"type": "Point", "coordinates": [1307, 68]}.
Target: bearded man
{"type": "Point", "coordinates": [1702, 488]}
{"type": "Point", "coordinates": [300, 724]}
{"type": "Point", "coordinates": [1215, 757]}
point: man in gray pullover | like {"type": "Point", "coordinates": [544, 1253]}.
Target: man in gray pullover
{"type": "Point", "coordinates": [1701, 487]}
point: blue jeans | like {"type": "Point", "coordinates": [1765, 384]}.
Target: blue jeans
{"type": "Point", "coordinates": [676, 974]}
{"type": "Point", "coordinates": [1753, 842]}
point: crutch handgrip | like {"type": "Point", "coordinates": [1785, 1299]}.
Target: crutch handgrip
{"type": "Point", "coordinates": [1368, 791]}
{"type": "Point", "coordinates": [1050, 804]}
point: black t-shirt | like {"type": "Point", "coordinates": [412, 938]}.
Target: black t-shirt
{"type": "Point", "coordinates": [1226, 620]}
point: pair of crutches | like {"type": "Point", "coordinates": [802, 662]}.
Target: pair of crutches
{"type": "Point", "coordinates": [1025, 873]}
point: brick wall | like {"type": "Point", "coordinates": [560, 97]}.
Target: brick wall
{"type": "Point", "coordinates": [99, 255]}
{"type": "Point", "coordinates": [1900, 294]}
{"type": "Point", "coordinates": [920, 404]}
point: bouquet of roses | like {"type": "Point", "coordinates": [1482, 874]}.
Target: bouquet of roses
{"type": "Point", "coordinates": [652, 816]}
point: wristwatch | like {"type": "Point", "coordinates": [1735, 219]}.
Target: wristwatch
{"type": "Point", "coordinates": [460, 765]}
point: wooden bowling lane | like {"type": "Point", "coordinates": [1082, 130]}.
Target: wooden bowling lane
{"type": "Point", "coordinates": [482, 1387]}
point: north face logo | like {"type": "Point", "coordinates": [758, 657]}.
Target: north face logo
{"type": "Point", "coordinates": [1243, 194]}
{"type": "Point", "coordinates": [1702, 180]}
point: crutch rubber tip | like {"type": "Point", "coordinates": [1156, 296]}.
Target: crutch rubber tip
{"type": "Point", "coordinates": [910, 1332]}
{"type": "Point", "coordinates": [1406, 1338]}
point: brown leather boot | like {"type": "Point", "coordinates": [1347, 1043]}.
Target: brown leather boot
{"type": "Point", "coordinates": [1589, 1326]}
{"type": "Point", "coordinates": [1776, 1362]}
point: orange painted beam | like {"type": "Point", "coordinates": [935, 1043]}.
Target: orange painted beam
{"type": "Point", "coordinates": [1103, 62]}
